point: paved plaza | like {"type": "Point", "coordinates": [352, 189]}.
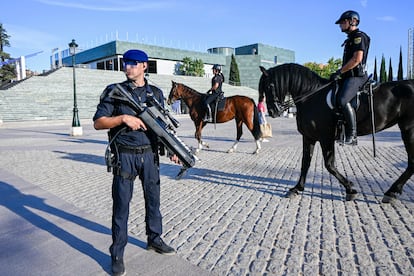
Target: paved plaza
{"type": "Point", "coordinates": [227, 216]}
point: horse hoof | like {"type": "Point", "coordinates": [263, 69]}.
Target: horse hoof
{"type": "Point", "coordinates": [351, 196]}
{"type": "Point", "coordinates": [293, 193]}
{"type": "Point", "coordinates": [230, 151]}
{"type": "Point", "coordinates": [389, 198]}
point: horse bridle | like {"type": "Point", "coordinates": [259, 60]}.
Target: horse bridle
{"type": "Point", "coordinates": [280, 107]}
{"type": "Point", "coordinates": [175, 88]}
{"type": "Point", "coordinates": [285, 105]}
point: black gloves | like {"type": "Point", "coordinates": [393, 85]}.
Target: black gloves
{"type": "Point", "coordinates": [335, 76]}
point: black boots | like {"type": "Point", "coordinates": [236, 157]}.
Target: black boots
{"type": "Point", "coordinates": [207, 117]}
{"type": "Point", "coordinates": [160, 247]}
{"type": "Point", "coordinates": [350, 125]}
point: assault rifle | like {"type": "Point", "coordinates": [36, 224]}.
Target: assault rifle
{"type": "Point", "coordinates": [159, 120]}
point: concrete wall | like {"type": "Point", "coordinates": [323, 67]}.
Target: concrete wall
{"type": "Point", "coordinates": [51, 97]}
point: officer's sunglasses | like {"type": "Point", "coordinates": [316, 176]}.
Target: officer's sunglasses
{"type": "Point", "coordinates": [132, 63]}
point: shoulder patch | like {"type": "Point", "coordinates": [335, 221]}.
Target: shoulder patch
{"type": "Point", "coordinates": [357, 40]}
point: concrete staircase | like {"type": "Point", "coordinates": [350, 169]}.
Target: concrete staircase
{"type": "Point", "coordinates": [50, 97]}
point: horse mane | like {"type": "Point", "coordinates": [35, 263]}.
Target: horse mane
{"type": "Point", "coordinates": [192, 90]}
{"type": "Point", "coordinates": [291, 77]}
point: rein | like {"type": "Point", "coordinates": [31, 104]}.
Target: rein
{"type": "Point", "coordinates": [310, 94]}
{"type": "Point", "coordinates": [286, 104]}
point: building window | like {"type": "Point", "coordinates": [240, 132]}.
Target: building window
{"type": "Point", "coordinates": [109, 65]}
{"type": "Point", "coordinates": [100, 65]}
{"type": "Point", "coordinates": [115, 63]}
{"type": "Point", "coordinates": [152, 67]}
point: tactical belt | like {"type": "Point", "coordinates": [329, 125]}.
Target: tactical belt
{"type": "Point", "coordinates": [134, 150]}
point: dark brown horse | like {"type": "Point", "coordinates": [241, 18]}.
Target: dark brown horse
{"type": "Point", "coordinates": [393, 103]}
{"type": "Point", "coordinates": [241, 108]}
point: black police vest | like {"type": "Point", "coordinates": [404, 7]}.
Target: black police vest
{"type": "Point", "coordinates": [349, 50]}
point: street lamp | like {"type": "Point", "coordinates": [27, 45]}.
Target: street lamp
{"type": "Point", "coordinates": [76, 127]}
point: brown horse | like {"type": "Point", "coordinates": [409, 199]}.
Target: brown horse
{"type": "Point", "coordinates": [241, 108]}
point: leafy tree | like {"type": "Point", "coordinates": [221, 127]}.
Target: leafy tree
{"type": "Point", "coordinates": [185, 66]}
{"type": "Point", "coordinates": [375, 70]}
{"type": "Point", "coordinates": [198, 67]}
{"type": "Point", "coordinates": [325, 70]}
{"type": "Point", "coordinates": [383, 73]}
{"type": "Point", "coordinates": [390, 74]}
{"type": "Point", "coordinates": [191, 67]}
{"type": "Point", "coordinates": [400, 68]}
{"type": "Point", "coordinates": [4, 41]}
{"type": "Point", "coordinates": [7, 72]}
{"type": "Point", "coordinates": [234, 77]}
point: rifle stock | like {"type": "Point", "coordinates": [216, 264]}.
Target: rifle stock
{"type": "Point", "coordinates": [158, 119]}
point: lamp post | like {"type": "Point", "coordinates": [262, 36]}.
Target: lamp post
{"type": "Point", "coordinates": [76, 127]}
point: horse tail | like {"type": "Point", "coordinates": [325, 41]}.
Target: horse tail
{"type": "Point", "coordinates": [257, 133]}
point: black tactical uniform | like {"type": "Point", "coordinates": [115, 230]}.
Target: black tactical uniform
{"type": "Point", "coordinates": [137, 156]}
{"type": "Point", "coordinates": [353, 79]}
{"type": "Point", "coordinates": [212, 95]}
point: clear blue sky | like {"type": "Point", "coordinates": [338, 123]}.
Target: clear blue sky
{"type": "Point", "coordinates": [306, 27]}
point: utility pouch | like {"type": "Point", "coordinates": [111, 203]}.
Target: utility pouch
{"type": "Point", "coordinates": [111, 152]}
{"type": "Point", "coordinates": [110, 158]}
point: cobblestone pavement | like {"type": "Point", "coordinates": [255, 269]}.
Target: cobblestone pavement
{"type": "Point", "coordinates": [229, 214]}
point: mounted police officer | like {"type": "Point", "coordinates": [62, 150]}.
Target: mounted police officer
{"type": "Point", "coordinates": [136, 150]}
{"type": "Point", "coordinates": [352, 73]}
{"type": "Point", "coordinates": [215, 90]}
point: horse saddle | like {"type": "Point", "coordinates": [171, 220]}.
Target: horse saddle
{"type": "Point", "coordinates": [331, 97]}
{"type": "Point", "coordinates": [218, 104]}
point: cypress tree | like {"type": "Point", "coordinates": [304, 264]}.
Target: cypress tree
{"type": "Point", "coordinates": [383, 73]}
{"type": "Point", "coordinates": [390, 74]}
{"type": "Point", "coordinates": [234, 77]}
{"type": "Point", "coordinates": [400, 68]}
{"type": "Point", "coordinates": [375, 70]}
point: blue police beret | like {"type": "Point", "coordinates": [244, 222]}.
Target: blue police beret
{"type": "Point", "coordinates": [136, 55]}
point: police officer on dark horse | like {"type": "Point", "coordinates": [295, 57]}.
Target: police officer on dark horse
{"type": "Point", "coordinates": [387, 104]}
{"type": "Point", "coordinates": [352, 74]}
{"type": "Point", "coordinates": [215, 91]}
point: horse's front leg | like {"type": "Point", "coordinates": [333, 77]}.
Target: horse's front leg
{"type": "Point", "coordinates": [239, 127]}
{"type": "Point", "coordinates": [308, 148]}
{"type": "Point", "coordinates": [201, 143]}
{"type": "Point", "coordinates": [328, 151]}
{"type": "Point", "coordinates": [258, 147]}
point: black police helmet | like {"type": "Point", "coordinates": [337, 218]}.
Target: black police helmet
{"type": "Point", "coordinates": [217, 67]}
{"type": "Point", "coordinates": [348, 15]}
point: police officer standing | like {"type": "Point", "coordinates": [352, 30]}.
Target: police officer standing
{"type": "Point", "coordinates": [215, 90]}
{"type": "Point", "coordinates": [137, 155]}
{"type": "Point", "coordinates": [352, 73]}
